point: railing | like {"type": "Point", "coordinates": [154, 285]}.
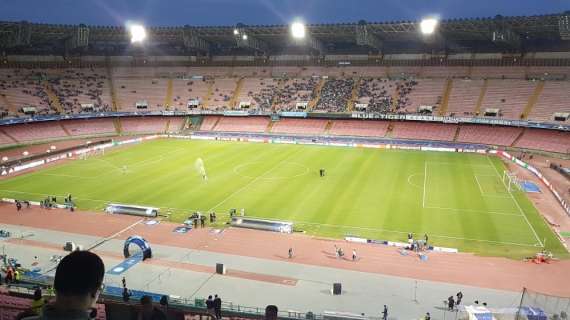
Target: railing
{"type": "Point", "coordinates": [195, 306]}
{"type": "Point", "coordinates": [353, 115]}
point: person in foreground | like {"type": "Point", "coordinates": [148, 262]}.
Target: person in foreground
{"type": "Point", "coordinates": [148, 311]}
{"type": "Point", "coordinates": [271, 312]}
{"type": "Point", "coordinates": [78, 283]}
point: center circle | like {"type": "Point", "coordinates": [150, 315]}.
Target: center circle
{"type": "Point", "coordinates": [287, 170]}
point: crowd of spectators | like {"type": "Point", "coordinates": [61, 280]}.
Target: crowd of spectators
{"type": "Point", "coordinates": [295, 90]}
{"type": "Point", "coordinates": [75, 88]}
{"type": "Point", "coordinates": [404, 88]}
{"type": "Point", "coordinates": [28, 89]}
{"type": "Point", "coordinates": [264, 97]}
{"type": "Point", "coordinates": [377, 93]}
{"type": "Point", "coordinates": [335, 95]}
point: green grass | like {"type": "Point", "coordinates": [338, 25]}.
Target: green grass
{"type": "Point", "coordinates": [379, 194]}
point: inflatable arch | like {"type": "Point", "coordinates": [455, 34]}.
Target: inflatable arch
{"type": "Point", "coordinates": [141, 243]}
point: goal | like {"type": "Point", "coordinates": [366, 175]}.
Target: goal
{"type": "Point", "coordinates": [91, 153]}
{"type": "Point", "coordinates": [511, 181]}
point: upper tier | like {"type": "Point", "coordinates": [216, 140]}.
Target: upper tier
{"type": "Point", "coordinates": [446, 90]}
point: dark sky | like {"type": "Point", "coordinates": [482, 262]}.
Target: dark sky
{"type": "Point", "coordinates": [251, 12]}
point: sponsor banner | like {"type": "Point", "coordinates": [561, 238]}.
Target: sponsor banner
{"type": "Point", "coordinates": [354, 239]}
{"type": "Point", "coordinates": [404, 147]}
{"type": "Point", "coordinates": [397, 244]}
{"type": "Point", "coordinates": [29, 165]}
{"type": "Point", "coordinates": [336, 144]}
{"type": "Point", "coordinates": [442, 249]}
{"type": "Point", "coordinates": [284, 141]}
{"type": "Point", "coordinates": [59, 157]}
{"type": "Point", "coordinates": [128, 141]}
{"type": "Point", "coordinates": [438, 149]}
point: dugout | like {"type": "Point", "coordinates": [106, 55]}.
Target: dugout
{"type": "Point", "coordinates": [132, 210]}
{"type": "Point", "coordinates": [262, 224]}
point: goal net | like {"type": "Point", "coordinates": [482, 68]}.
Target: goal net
{"type": "Point", "coordinates": [511, 181]}
{"type": "Point", "coordinates": [92, 153]}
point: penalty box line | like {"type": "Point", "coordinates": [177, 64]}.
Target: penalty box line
{"type": "Point", "coordinates": [516, 203]}
{"type": "Point", "coordinates": [485, 194]}
{"type": "Point", "coordinates": [425, 188]}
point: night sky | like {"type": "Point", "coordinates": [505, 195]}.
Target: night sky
{"type": "Point", "coordinates": [252, 12]}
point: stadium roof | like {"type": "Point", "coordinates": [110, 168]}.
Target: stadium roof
{"type": "Point", "coordinates": [497, 34]}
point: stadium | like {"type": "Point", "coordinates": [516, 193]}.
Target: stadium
{"type": "Point", "coordinates": [358, 170]}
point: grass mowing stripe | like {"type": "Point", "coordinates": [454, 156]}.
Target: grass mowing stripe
{"type": "Point", "coordinates": [366, 192]}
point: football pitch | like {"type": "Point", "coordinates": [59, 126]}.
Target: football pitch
{"type": "Point", "coordinates": [458, 199]}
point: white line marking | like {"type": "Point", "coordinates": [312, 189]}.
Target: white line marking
{"type": "Point", "coordinates": [459, 164]}
{"type": "Point", "coordinates": [410, 182]}
{"type": "Point", "coordinates": [253, 181]}
{"type": "Point", "coordinates": [477, 211]}
{"type": "Point", "coordinates": [425, 181]}
{"type": "Point", "coordinates": [405, 232]}
{"type": "Point", "coordinates": [479, 184]}
{"type": "Point", "coordinates": [517, 204]}
{"type": "Point", "coordinates": [98, 200]}
{"type": "Point", "coordinates": [485, 194]}
{"type": "Point", "coordinates": [65, 176]}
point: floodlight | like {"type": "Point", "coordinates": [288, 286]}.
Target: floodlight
{"type": "Point", "coordinates": [236, 32]}
{"type": "Point", "coordinates": [138, 33]}
{"type": "Point", "coordinates": [244, 37]}
{"type": "Point", "coordinates": [298, 30]}
{"type": "Point", "coordinates": [428, 26]}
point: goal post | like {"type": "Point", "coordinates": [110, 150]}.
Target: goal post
{"type": "Point", "coordinates": [511, 181]}
{"type": "Point", "coordinates": [91, 153]}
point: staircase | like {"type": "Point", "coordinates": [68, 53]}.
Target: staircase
{"type": "Point", "coordinates": [233, 101]}
{"type": "Point", "coordinates": [64, 128]}
{"type": "Point", "coordinates": [445, 99]}
{"type": "Point", "coordinates": [216, 124]}
{"type": "Point", "coordinates": [280, 86]}
{"type": "Point", "coordinates": [481, 96]}
{"type": "Point", "coordinates": [117, 124]}
{"type": "Point", "coordinates": [269, 126]}
{"type": "Point", "coordinates": [532, 100]}
{"type": "Point", "coordinates": [53, 98]}
{"type": "Point", "coordinates": [354, 97]}
{"type": "Point", "coordinates": [389, 130]}
{"type": "Point", "coordinates": [470, 68]}
{"type": "Point", "coordinates": [167, 126]}
{"type": "Point", "coordinates": [8, 135]}
{"type": "Point", "coordinates": [329, 126]}
{"type": "Point", "coordinates": [114, 100]}
{"type": "Point", "coordinates": [317, 97]}
{"type": "Point", "coordinates": [456, 133]}
{"type": "Point", "coordinates": [7, 103]}
{"type": "Point", "coordinates": [168, 98]}
{"type": "Point", "coordinates": [208, 95]}
{"type": "Point", "coordinates": [395, 98]}
{"type": "Point", "coordinates": [519, 137]}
